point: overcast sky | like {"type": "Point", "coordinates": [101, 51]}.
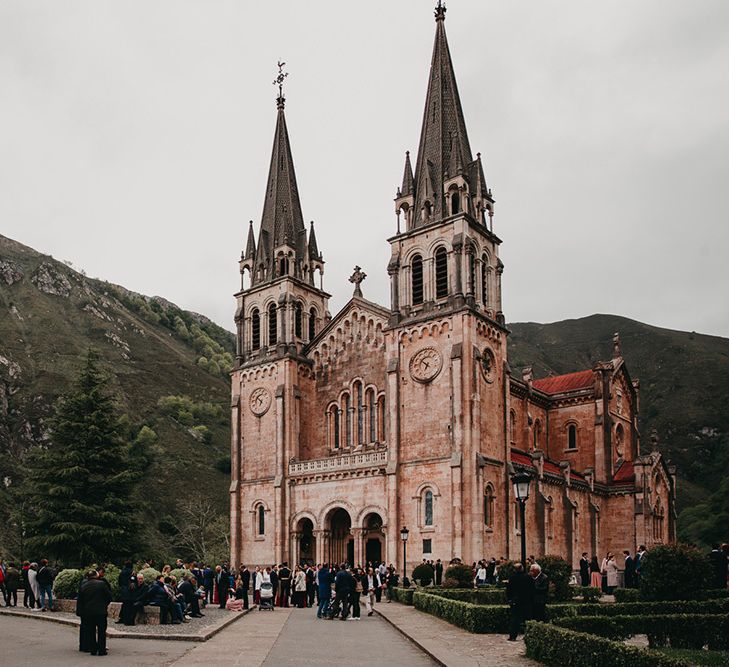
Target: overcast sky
{"type": "Point", "coordinates": [135, 138]}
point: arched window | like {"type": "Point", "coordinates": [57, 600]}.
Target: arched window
{"type": "Point", "coordinates": [272, 325]}
{"type": "Point", "coordinates": [360, 413]}
{"type": "Point", "coordinates": [549, 519]}
{"type": "Point", "coordinates": [372, 407]}
{"type": "Point", "coordinates": [537, 433]}
{"type": "Point", "coordinates": [298, 317]}
{"type": "Point", "coordinates": [333, 422]}
{"type": "Point", "coordinates": [512, 427]}
{"type": "Point", "coordinates": [255, 329]}
{"type": "Point", "coordinates": [261, 520]}
{"type": "Point", "coordinates": [472, 269]}
{"type": "Point", "coordinates": [619, 434]}
{"type": "Point", "coordinates": [488, 506]}
{"type": "Point", "coordinates": [381, 435]}
{"type": "Point", "coordinates": [428, 508]}
{"type": "Point", "coordinates": [441, 273]}
{"type": "Point", "coordinates": [427, 210]}
{"type": "Point", "coordinates": [347, 421]}
{"type": "Point", "coordinates": [283, 266]}
{"type": "Point", "coordinates": [485, 280]}
{"type": "Point", "coordinates": [312, 324]}
{"type": "Point", "coordinates": [572, 437]}
{"type": "Point", "coordinates": [417, 279]}
{"type": "Point", "coordinates": [455, 203]}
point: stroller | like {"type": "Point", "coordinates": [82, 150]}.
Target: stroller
{"type": "Point", "coordinates": [266, 596]}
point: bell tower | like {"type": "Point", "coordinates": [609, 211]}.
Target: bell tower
{"type": "Point", "coordinates": [446, 199]}
{"type": "Point", "coordinates": [279, 307]}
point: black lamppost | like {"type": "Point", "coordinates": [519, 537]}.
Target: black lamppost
{"type": "Point", "coordinates": [521, 491]}
{"type": "Point", "coordinates": [404, 532]}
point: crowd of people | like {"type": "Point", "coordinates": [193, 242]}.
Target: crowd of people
{"type": "Point", "coordinates": [34, 579]}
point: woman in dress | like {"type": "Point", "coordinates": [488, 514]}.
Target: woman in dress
{"type": "Point", "coordinates": [612, 573]}
{"type": "Point", "coordinates": [299, 587]}
{"type": "Point", "coordinates": [595, 575]}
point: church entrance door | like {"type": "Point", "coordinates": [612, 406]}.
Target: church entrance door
{"type": "Point", "coordinates": [341, 544]}
{"type": "Point", "coordinates": [373, 551]}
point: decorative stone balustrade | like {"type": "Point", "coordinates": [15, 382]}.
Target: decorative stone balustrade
{"type": "Point", "coordinates": [343, 463]}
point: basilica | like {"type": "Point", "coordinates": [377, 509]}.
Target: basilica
{"type": "Point", "coordinates": [348, 428]}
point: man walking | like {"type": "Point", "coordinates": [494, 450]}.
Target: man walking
{"type": "Point", "coordinates": [520, 595]}
{"type": "Point", "coordinates": [370, 584]}
{"type": "Point", "coordinates": [208, 582]}
{"type": "Point", "coordinates": [92, 605]}
{"type": "Point", "coordinates": [324, 590]}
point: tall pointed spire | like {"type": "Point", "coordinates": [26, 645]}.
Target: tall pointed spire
{"type": "Point", "coordinates": [250, 252]}
{"type": "Point", "coordinates": [282, 222]}
{"type": "Point", "coordinates": [444, 151]}
{"type": "Point", "coordinates": [313, 247]}
{"type": "Point", "coordinates": [407, 177]}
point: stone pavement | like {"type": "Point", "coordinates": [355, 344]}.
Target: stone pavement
{"type": "Point", "coordinates": [29, 642]}
{"type": "Point", "coordinates": [453, 646]}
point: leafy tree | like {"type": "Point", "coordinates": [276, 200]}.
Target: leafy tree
{"type": "Point", "coordinates": [81, 485]}
{"type": "Point", "coordinates": [674, 572]}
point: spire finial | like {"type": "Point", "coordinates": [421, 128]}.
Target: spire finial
{"type": "Point", "coordinates": [278, 81]}
{"type": "Point", "coordinates": [440, 10]}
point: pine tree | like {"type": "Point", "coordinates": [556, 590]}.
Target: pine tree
{"type": "Point", "coordinates": [81, 485]}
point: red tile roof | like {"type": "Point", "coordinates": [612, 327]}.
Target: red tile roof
{"type": "Point", "coordinates": [569, 382]}
{"type": "Point", "coordinates": [625, 472]}
{"type": "Point", "coordinates": [522, 458]}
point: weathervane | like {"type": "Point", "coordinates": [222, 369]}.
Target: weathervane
{"type": "Point", "coordinates": [278, 81]}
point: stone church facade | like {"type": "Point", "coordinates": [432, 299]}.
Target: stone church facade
{"type": "Point", "coordinates": [347, 428]}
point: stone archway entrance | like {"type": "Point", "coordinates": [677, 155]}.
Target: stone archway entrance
{"type": "Point", "coordinates": [373, 539]}
{"type": "Point", "coordinates": [341, 542]}
{"type": "Point", "coordinates": [306, 542]}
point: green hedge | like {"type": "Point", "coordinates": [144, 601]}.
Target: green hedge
{"type": "Point", "coordinates": [680, 630]}
{"type": "Point", "coordinates": [634, 595]}
{"type": "Point", "coordinates": [474, 596]}
{"type": "Point", "coordinates": [474, 618]}
{"type": "Point", "coordinates": [554, 646]}
{"type": "Point", "coordinates": [655, 608]}
{"type": "Point", "coordinates": [66, 584]}
{"type": "Point", "coordinates": [403, 595]}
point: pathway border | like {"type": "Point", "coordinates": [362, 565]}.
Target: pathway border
{"type": "Point", "coordinates": [121, 634]}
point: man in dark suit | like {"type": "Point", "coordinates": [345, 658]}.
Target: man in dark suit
{"type": "Point", "coordinates": [222, 583]}
{"type": "Point", "coordinates": [629, 569]}
{"type": "Point", "coordinates": [438, 572]}
{"type": "Point", "coordinates": [188, 590]}
{"type": "Point", "coordinates": [92, 605]}
{"type": "Point", "coordinates": [520, 596]}
{"type": "Point", "coordinates": [208, 582]}
{"type": "Point", "coordinates": [585, 569]}
{"type": "Point", "coordinates": [245, 580]}
{"type": "Point", "coordinates": [541, 591]}
{"type": "Point", "coordinates": [284, 575]}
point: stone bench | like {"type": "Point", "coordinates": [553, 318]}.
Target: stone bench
{"type": "Point", "coordinates": [148, 615]}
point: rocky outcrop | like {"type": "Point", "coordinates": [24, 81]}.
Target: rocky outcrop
{"type": "Point", "coordinates": [10, 272]}
{"type": "Point", "coordinates": [47, 278]}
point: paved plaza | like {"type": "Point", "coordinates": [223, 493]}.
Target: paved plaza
{"type": "Point", "coordinates": [399, 634]}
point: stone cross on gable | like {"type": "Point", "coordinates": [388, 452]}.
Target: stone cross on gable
{"type": "Point", "coordinates": [356, 278]}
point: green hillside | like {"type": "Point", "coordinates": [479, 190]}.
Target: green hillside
{"type": "Point", "coordinates": [168, 369]}
{"type": "Point", "coordinates": [684, 385]}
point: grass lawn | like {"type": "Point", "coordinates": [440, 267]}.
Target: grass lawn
{"type": "Point", "coordinates": [699, 657]}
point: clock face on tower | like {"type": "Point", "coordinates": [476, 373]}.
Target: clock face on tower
{"type": "Point", "coordinates": [260, 401]}
{"type": "Point", "coordinates": [488, 365]}
{"type": "Point", "coordinates": [425, 364]}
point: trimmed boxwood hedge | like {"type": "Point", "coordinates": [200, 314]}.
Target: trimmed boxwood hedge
{"type": "Point", "coordinates": [633, 594]}
{"type": "Point", "coordinates": [654, 608]}
{"type": "Point", "coordinates": [403, 595]}
{"type": "Point", "coordinates": [587, 593]}
{"type": "Point", "coordinates": [474, 596]}
{"type": "Point", "coordinates": [680, 630]}
{"type": "Point", "coordinates": [554, 646]}
{"type": "Point", "coordinates": [626, 595]}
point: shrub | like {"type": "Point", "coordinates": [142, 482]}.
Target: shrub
{"type": "Point", "coordinates": [449, 582]}
{"type": "Point", "coordinates": [626, 594]}
{"type": "Point", "coordinates": [149, 574]}
{"type": "Point", "coordinates": [423, 574]}
{"type": "Point", "coordinates": [554, 646]}
{"type": "Point", "coordinates": [680, 630]}
{"type": "Point", "coordinates": [461, 573]}
{"type": "Point", "coordinates": [112, 576]}
{"type": "Point", "coordinates": [653, 608]}
{"type": "Point", "coordinates": [588, 593]}
{"type": "Point", "coordinates": [474, 618]}
{"type": "Point", "coordinates": [674, 572]}
{"type": "Point", "coordinates": [484, 596]}
{"type": "Point", "coordinates": [403, 595]}
{"type": "Point", "coordinates": [66, 584]}
{"type": "Point", "coordinates": [178, 572]}
{"type": "Point", "coordinates": [559, 572]}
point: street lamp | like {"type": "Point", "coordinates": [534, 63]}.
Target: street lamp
{"type": "Point", "coordinates": [521, 491]}
{"type": "Point", "coordinates": [404, 533]}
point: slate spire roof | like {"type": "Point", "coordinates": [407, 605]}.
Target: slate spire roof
{"type": "Point", "coordinates": [282, 223]}
{"type": "Point", "coordinates": [313, 247]}
{"type": "Point", "coordinates": [444, 150]}
{"type": "Point", "coordinates": [407, 177]}
{"type": "Point", "coordinates": [250, 251]}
